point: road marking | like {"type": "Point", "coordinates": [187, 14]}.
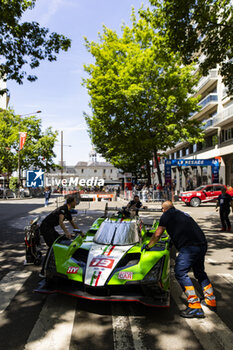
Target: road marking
{"type": "Point", "coordinates": [211, 332]}
{"type": "Point", "coordinates": [226, 276]}
{"type": "Point", "coordinates": [211, 261]}
{"type": "Point", "coordinates": [54, 326]}
{"type": "Point", "coordinates": [10, 285]}
{"type": "Point", "coordinates": [122, 334]}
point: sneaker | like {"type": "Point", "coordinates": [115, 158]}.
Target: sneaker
{"type": "Point", "coordinates": [212, 308]}
{"type": "Point", "coordinates": [42, 274]}
{"type": "Point", "coordinates": [192, 313]}
{"type": "Point", "coordinates": [223, 229]}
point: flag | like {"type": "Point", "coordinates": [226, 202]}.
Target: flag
{"type": "Point", "coordinates": [23, 136]}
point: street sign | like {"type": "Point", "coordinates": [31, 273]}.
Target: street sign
{"type": "Point", "coordinates": [35, 178]}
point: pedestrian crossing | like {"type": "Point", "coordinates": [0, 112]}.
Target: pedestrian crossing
{"type": "Point", "coordinates": [136, 327]}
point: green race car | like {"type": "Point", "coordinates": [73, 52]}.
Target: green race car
{"type": "Point", "coordinates": [109, 263]}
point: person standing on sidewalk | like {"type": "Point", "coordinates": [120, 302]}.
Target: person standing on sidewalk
{"type": "Point", "coordinates": [224, 201]}
{"type": "Point", "coordinates": [47, 194]}
{"type": "Point", "coordinates": [191, 243]}
{"type": "Point", "coordinates": [57, 217]}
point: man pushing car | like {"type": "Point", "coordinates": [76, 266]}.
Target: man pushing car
{"type": "Point", "coordinates": [191, 243]}
{"type": "Point", "coordinates": [55, 218]}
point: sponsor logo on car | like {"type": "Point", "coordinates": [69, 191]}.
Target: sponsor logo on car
{"type": "Point", "coordinates": [125, 275]}
{"type": "Point", "coordinates": [102, 262]}
{"type": "Point", "coordinates": [72, 269]}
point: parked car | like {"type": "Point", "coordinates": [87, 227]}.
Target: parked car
{"type": "Point", "coordinates": [202, 194]}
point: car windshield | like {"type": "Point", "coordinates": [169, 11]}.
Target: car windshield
{"type": "Point", "coordinates": [117, 233]}
{"type": "Point", "coordinates": [199, 188]}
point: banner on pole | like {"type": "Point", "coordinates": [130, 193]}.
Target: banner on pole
{"type": "Point", "coordinates": [23, 136]}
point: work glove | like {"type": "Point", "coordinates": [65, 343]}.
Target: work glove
{"type": "Point", "coordinates": [144, 247]}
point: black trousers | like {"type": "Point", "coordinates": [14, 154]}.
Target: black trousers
{"type": "Point", "coordinates": [224, 216]}
{"type": "Point", "coordinates": [50, 235]}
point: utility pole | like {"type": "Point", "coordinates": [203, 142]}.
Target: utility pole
{"type": "Point", "coordinates": [61, 158]}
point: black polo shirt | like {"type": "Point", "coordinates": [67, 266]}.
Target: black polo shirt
{"type": "Point", "coordinates": [182, 229]}
{"type": "Point", "coordinates": [138, 204]}
{"type": "Point", "coordinates": [52, 219]}
{"type": "Point", "coordinates": [224, 201]}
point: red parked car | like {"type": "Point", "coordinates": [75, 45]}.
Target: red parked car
{"type": "Point", "coordinates": [202, 194]}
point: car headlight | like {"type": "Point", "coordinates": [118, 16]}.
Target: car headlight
{"type": "Point", "coordinates": [155, 273]}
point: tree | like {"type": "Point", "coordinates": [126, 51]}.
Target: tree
{"type": "Point", "coordinates": [37, 150]}
{"type": "Point", "coordinates": [196, 27]}
{"type": "Point", "coordinates": [25, 43]}
{"type": "Point", "coordinates": [139, 95]}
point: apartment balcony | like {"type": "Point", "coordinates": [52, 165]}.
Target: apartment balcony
{"type": "Point", "coordinates": [206, 104]}
{"type": "Point", "coordinates": [206, 82]}
{"type": "Point", "coordinates": [225, 117]}
{"type": "Point", "coordinates": [208, 124]}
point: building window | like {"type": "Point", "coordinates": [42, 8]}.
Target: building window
{"type": "Point", "coordinates": [194, 148]}
{"type": "Point", "coordinates": [214, 140]}
{"type": "Point", "coordinates": [82, 171]}
{"type": "Point", "coordinates": [111, 171]}
{"type": "Point", "coordinates": [187, 151]}
{"type": "Point", "coordinates": [104, 171]}
{"type": "Point", "coordinates": [95, 171]}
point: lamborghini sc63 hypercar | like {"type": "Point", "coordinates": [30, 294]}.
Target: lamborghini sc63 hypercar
{"type": "Point", "coordinates": [110, 264]}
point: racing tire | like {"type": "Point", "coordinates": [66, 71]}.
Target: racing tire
{"type": "Point", "coordinates": [37, 261]}
{"type": "Point", "coordinates": [195, 202]}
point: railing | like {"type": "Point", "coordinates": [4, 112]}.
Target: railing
{"type": "Point", "coordinates": [203, 103]}
{"type": "Point", "coordinates": [208, 99]}
{"type": "Point", "coordinates": [150, 196]}
{"type": "Point", "coordinates": [204, 80]}
{"type": "Point", "coordinates": [227, 113]}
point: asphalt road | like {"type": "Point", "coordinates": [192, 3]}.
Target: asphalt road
{"type": "Point", "coordinates": [32, 321]}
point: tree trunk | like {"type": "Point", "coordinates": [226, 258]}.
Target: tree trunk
{"type": "Point", "coordinates": [157, 167]}
{"type": "Point", "coordinates": [148, 170]}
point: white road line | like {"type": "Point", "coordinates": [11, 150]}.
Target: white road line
{"type": "Point", "coordinates": [125, 330]}
{"type": "Point", "coordinates": [211, 261]}
{"type": "Point", "coordinates": [211, 332]}
{"type": "Point", "coordinates": [54, 326]}
{"type": "Point", "coordinates": [226, 276]}
{"type": "Point", "coordinates": [10, 285]}
{"type": "Point", "coordinates": [137, 331]}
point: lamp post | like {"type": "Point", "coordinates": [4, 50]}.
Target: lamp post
{"type": "Point", "coordinates": [19, 172]}
{"type": "Point", "coordinates": [62, 147]}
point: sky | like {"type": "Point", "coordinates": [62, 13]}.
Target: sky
{"type": "Point", "coordinates": [58, 92]}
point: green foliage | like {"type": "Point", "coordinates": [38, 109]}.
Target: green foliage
{"type": "Point", "coordinates": [139, 95]}
{"type": "Point", "coordinates": [25, 43]}
{"type": "Point", "coordinates": [195, 27]}
{"type": "Point", "coordinates": [13, 183]}
{"type": "Point", "coordinates": [37, 150]}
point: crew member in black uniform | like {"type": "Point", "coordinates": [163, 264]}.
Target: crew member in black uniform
{"type": "Point", "coordinates": [224, 201]}
{"type": "Point", "coordinates": [190, 241]}
{"type": "Point", "coordinates": [133, 205]}
{"type": "Point", "coordinates": [57, 217]}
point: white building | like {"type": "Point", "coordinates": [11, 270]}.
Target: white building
{"type": "Point", "coordinates": [92, 170]}
{"type": "Point", "coordinates": [217, 113]}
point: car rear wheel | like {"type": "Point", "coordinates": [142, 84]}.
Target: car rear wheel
{"type": "Point", "coordinates": [195, 202]}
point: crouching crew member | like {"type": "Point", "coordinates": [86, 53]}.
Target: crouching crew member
{"type": "Point", "coordinates": [191, 244]}
{"type": "Point", "coordinates": [57, 217]}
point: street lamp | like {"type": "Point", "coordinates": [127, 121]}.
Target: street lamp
{"type": "Point", "coordinates": [62, 146]}
{"type": "Point", "coordinates": [20, 116]}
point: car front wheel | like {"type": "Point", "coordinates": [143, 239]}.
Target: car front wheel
{"type": "Point", "coordinates": [195, 202]}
